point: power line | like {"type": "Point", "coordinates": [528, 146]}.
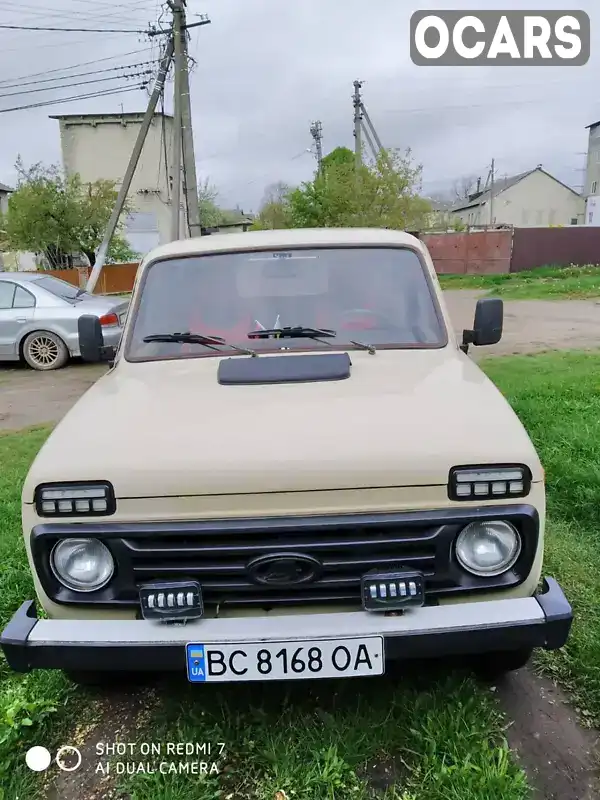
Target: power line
{"type": "Point", "coordinates": [71, 14]}
{"type": "Point", "coordinates": [96, 5]}
{"type": "Point", "coordinates": [104, 93]}
{"type": "Point", "coordinates": [72, 30]}
{"type": "Point", "coordinates": [77, 83]}
{"type": "Point", "coordinates": [73, 66]}
{"type": "Point", "coordinates": [64, 43]}
{"type": "Point", "coordinates": [79, 75]}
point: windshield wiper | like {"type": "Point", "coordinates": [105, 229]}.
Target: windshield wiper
{"type": "Point", "coordinates": [300, 332]}
{"type": "Point", "coordinates": [197, 338]}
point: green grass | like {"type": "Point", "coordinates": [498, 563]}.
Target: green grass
{"type": "Point", "coordinates": [544, 283]}
{"type": "Point", "coordinates": [409, 739]}
{"type": "Point", "coordinates": [32, 706]}
{"type": "Point", "coordinates": [557, 396]}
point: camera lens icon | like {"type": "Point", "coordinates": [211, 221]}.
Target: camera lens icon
{"type": "Point", "coordinates": [68, 758]}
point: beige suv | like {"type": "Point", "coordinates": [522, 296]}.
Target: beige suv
{"type": "Point", "coordinates": [292, 469]}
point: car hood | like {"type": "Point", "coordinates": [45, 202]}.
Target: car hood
{"type": "Point", "coordinates": [168, 428]}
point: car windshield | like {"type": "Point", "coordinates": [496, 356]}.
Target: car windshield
{"type": "Point", "coordinates": [62, 289]}
{"type": "Point", "coordinates": [377, 295]}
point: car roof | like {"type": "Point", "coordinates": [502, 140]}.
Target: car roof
{"type": "Point", "coordinates": [282, 238]}
{"type": "Point", "coordinates": [21, 276]}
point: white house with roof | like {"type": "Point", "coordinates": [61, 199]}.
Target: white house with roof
{"type": "Point", "coordinates": [531, 199]}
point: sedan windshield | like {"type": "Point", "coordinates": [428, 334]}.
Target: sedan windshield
{"type": "Point", "coordinates": [378, 295]}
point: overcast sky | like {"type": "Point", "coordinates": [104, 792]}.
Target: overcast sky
{"type": "Point", "coordinates": [265, 69]}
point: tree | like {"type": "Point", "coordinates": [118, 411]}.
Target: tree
{"type": "Point", "coordinates": [464, 187]}
{"type": "Point", "coordinates": [275, 193]}
{"type": "Point", "coordinates": [340, 156]}
{"type": "Point", "coordinates": [210, 213]}
{"type": "Point", "coordinates": [274, 213]}
{"type": "Point", "coordinates": [59, 216]}
{"type": "Point", "coordinates": [382, 194]}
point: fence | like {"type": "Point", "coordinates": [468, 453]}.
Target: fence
{"type": "Point", "coordinates": [114, 278]}
{"type": "Point", "coordinates": [473, 253]}
{"type": "Point", "coordinates": [559, 247]}
{"type": "Point", "coordinates": [490, 252]}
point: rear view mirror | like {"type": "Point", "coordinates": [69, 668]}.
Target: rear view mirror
{"type": "Point", "coordinates": [91, 340]}
{"type": "Point", "coordinates": [488, 323]}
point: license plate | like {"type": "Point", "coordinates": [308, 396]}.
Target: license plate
{"type": "Point", "coordinates": [268, 661]}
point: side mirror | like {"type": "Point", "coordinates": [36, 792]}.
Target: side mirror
{"type": "Point", "coordinates": [91, 340]}
{"type": "Point", "coordinates": [488, 323]}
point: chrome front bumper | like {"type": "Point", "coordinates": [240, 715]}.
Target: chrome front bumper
{"type": "Point", "coordinates": [432, 631]}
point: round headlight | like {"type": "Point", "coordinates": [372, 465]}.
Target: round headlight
{"type": "Point", "coordinates": [84, 565]}
{"type": "Point", "coordinates": [487, 549]}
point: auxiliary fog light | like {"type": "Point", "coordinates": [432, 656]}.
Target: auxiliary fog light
{"type": "Point", "coordinates": [488, 548]}
{"type": "Point", "coordinates": [171, 600]}
{"type": "Point", "coordinates": [83, 565]}
{"type": "Point", "coordinates": [392, 591]}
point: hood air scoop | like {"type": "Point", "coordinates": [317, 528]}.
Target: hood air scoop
{"type": "Point", "coordinates": [284, 369]}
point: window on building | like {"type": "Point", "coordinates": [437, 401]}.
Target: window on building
{"type": "Point", "coordinates": [594, 187]}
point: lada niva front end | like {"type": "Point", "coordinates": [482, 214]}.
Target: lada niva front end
{"type": "Point", "coordinates": [292, 469]}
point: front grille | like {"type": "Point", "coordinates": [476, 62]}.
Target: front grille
{"type": "Point", "coordinates": [346, 549]}
{"type": "Point", "coordinates": [216, 553]}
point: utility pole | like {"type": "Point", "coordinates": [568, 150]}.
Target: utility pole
{"type": "Point", "coordinates": [371, 126]}
{"type": "Point", "coordinates": [492, 192]}
{"type": "Point", "coordinates": [357, 102]}
{"type": "Point", "coordinates": [177, 10]}
{"type": "Point", "coordinates": [189, 157]}
{"type": "Point", "coordinates": [131, 167]}
{"type": "Point", "coordinates": [367, 135]}
{"type": "Point", "coordinates": [316, 131]}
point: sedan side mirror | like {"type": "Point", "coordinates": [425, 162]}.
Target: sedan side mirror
{"type": "Point", "coordinates": [91, 340]}
{"type": "Point", "coordinates": [487, 326]}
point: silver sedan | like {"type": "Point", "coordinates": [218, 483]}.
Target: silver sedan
{"type": "Point", "coordinates": [39, 314]}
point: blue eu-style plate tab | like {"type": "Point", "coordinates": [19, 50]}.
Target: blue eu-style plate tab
{"type": "Point", "coordinates": [196, 666]}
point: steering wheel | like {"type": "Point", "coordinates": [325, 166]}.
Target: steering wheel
{"type": "Point", "coordinates": [376, 318]}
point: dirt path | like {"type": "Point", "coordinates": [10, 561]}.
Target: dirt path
{"type": "Point", "coordinates": [34, 398]}
{"type": "Point", "coordinates": [532, 325]}
{"type": "Point", "coordinates": [559, 756]}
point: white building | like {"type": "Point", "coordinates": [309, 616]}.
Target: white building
{"type": "Point", "coordinates": [592, 176]}
{"type": "Point", "coordinates": [5, 193]}
{"type": "Point", "coordinates": [98, 146]}
{"type": "Point", "coordinates": [528, 200]}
